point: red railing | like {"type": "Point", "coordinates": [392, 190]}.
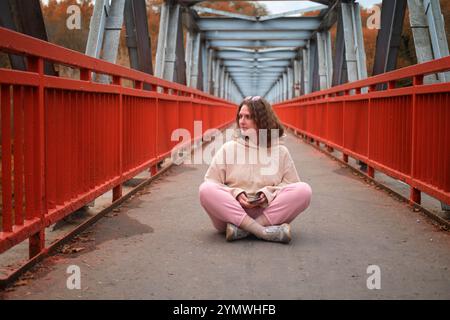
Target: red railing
{"type": "Point", "coordinates": [67, 141]}
{"type": "Point", "coordinates": [402, 131]}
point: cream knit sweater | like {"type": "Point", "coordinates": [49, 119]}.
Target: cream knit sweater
{"type": "Point", "coordinates": [254, 173]}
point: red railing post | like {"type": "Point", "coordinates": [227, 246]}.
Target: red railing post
{"type": "Point", "coordinates": [117, 190]}
{"type": "Point", "coordinates": [7, 221]}
{"type": "Point", "coordinates": [345, 157]}
{"type": "Point", "coordinates": [414, 196]}
{"type": "Point", "coordinates": [370, 171]}
{"type": "Point", "coordinates": [37, 240]}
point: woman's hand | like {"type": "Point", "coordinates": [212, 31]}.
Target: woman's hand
{"type": "Point", "coordinates": [243, 200]}
{"type": "Point", "coordinates": [263, 200]}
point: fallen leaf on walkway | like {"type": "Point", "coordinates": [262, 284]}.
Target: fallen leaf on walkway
{"type": "Point", "coordinates": [75, 250]}
{"type": "Point", "coordinates": [21, 283]}
{"type": "Point", "coordinates": [85, 239]}
{"type": "Point", "coordinates": [111, 215]}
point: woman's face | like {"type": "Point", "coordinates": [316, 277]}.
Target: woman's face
{"type": "Point", "coordinates": [245, 120]}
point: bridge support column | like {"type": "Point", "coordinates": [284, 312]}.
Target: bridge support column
{"type": "Point", "coordinates": [355, 55]}
{"type": "Point", "coordinates": [339, 63]}
{"type": "Point", "coordinates": [388, 39]}
{"type": "Point", "coordinates": [204, 53]}
{"type": "Point", "coordinates": [324, 59]}
{"type": "Point", "coordinates": [208, 80]}
{"type": "Point", "coordinates": [138, 38]}
{"type": "Point", "coordinates": [193, 62]}
{"type": "Point", "coordinates": [225, 86]}
{"type": "Point", "coordinates": [104, 35]}
{"type": "Point", "coordinates": [170, 61]}
{"type": "Point", "coordinates": [216, 77]}
{"type": "Point", "coordinates": [296, 78]}
{"type": "Point", "coordinates": [429, 35]}
{"type": "Point", "coordinates": [314, 66]}
{"type": "Point", "coordinates": [306, 74]}
{"type": "Point", "coordinates": [222, 81]}
{"type": "Point", "coordinates": [290, 83]}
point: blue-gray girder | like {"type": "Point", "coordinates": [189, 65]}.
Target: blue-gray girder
{"type": "Point", "coordinates": [237, 74]}
{"type": "Point", "coordinates": [256, 55]}
{"type": "Point", "coordinates": [237, 63]}
{"type": "Point", "coordinates": [257, 35]}
{"type": "Point", "coordinates": [280, 24]}
{"type": "Point", "coordinates": [256, 77]}
{"type": "Point", "coordinates": [248, 80]}
{"type": "Point", "coordinates": [251, 68]}
{"type": "Point", "coordinates": [256, 43]}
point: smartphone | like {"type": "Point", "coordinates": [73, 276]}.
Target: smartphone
{"type": "Point", "coordinates": [253, 199]}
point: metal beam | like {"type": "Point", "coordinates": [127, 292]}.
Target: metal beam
{"type": "Point", "coordinates": [388, 39]}
{"type": "Point", "coordinates": [314, 66]}
{"type": "Point", "coordinates": [256, 55]}
{"type": "Point", "coordinates": [281, 24]}
{"type": "Point", "coordinates": [258, 43]}
{"type": "Point", "coordinates": [296, 75]}
{"type": "Point", "coordinates": [137, 36]}
{"type": "Point", "coordinates": [257, 35]}
{"type": "Point", "coordinates": [251, 68]}
{"type": "Point", "coordinates": [236, 63]}
{"type": "Point", "coordinates": [355, 55]}
{"type": "Point", "coordinates": [339, 64]}
{"type": "Point", "coordinates": [324, 59]}
{"type": "Point", "coordinates": [170, 62]}
{"type": "Point", "coordinates": [104, 34]}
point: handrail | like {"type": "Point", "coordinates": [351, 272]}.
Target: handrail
{"type": "Point", "coordinates": [403, 132]}
{"type": "Point", "coordinates": [67, 141]}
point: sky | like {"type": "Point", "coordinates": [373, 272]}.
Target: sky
{"type": "Point", "coordinates": [283, 6]}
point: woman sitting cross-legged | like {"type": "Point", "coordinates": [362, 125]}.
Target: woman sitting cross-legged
{"type": "Point", "coordinates": [243, 193]}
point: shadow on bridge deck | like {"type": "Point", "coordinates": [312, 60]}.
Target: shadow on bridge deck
{"type": "Point", "coordinates": [161, 245]}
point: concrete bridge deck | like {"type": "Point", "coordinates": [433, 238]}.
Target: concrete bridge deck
{"type": "Point", "coordinates": [161, 245]}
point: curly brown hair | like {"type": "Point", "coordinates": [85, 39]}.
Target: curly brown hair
{"type": "Point", "coordinates": [262, 113]}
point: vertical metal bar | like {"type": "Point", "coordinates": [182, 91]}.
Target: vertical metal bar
{"type": "Point", "coordinates": [414, 193]}
{"type": "Point", "coordinates": [37, 241]}
{"type": "Point", "coordinates": [18, 155]}
{"type": "Point", "coordinates": [7, 220]}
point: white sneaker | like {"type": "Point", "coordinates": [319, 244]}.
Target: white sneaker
{"type": "Point", "coordinates": [235, 233]}
{"type": "Point", "coordinates": [279, 233]}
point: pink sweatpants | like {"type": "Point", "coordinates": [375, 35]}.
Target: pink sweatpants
{"type": "Point", "coordinates": [223, 208]}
